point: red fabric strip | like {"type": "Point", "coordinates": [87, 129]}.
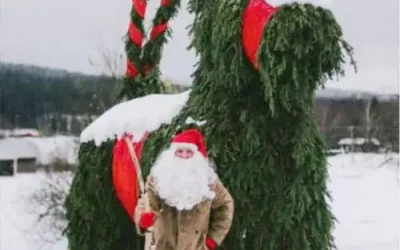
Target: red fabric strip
{"type": "Point", "coordinates": [139, 145]}
{"type": "Point", "coordinates": [165, 2]}
{"type": "Point", "coordinates": [140, 7]}
{"type": "Point", "coordinates": [158, 29]}
{"type": "Point", "coordinates": [147, 69]}
{"type": "Point", "coordinates": [135, 35]}
{"type": "Point", "coordinates": [131, 70]}
{"type": "Point", "coordinates": [255, 17]}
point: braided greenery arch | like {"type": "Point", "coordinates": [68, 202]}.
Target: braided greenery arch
{"type": "Point", "coordinates": [143, 58]}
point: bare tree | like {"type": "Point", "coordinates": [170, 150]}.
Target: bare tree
{"type": "Point", "coordinates": [48, 203]}
{"type": "Point", "coordinates": [5, 123]}
{"type": "Point", "coordinates": [329, 119]}
{"type": "Point", "coordinates": [112, 62]}
{"type": "Point", "coordinates": [369, 119]}
{"type": "Point", "coordinates": [389, 123]}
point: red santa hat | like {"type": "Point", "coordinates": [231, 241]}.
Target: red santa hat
{"type": "Point", "coordinates": [192, 139]}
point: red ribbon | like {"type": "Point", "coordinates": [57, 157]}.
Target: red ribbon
{"type": "Point", "coordinates": [131, 70]}
{"type": "Point", "coordinates": [165, 2]}
{"type": "Point", "coordinates": [158, 29]}
{"type": "Point", "coordinates": [135, 35]}
{"type": "Point", "coordinates": [147, 69]}
{"type": "Point", "coordinates": [140, 7]}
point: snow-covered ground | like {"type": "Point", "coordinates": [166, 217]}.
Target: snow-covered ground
{"type": "Point", "coordinates": [19, 225]}
{"type": "Point", "coordinates": [365, 190]}
{"type": "Point", "coordinates": [45, 149]}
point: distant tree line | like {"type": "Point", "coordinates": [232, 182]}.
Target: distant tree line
{"type": "Point", "coordinates": [362, 118]}
{"type": "Point", "coordinates": [58, 101]}
{"type": "Point", "coordinates": [55, 101]}
{"type": "Point", "coordinates": [30, 95]}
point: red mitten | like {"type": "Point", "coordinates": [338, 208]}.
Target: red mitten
{"type": "Point", "coordinates": [147, 220]}
{"type": "Point", "coordinates": [211, 244]}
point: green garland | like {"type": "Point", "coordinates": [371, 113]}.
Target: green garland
{"type": "Point", "coordinates": [141, 85]}
{"type": "Point", "coordinates": [148, 58]}
{"type": "Point", "coordinates": [136, 86]}
{"type": "Point", "coordinates": [152, 51]}
{"type": "Point", "coordinates": [133, 51]}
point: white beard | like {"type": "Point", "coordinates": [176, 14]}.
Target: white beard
{"type": "Point", "coordinates": [183, 183]}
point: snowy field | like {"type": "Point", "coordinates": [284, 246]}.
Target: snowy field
{"type": "Point", "coordinates": [365, 190]}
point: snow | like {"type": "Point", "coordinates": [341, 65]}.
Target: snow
{"type": "Point", "coordinates": [365, 190]}
{"type": "Point", "coordinates": [19, 225]}
{"type": "Point", "coordinates": [19, 132]}
{"type": "Point", "coordinates": [56, 147]}
{"type": "Point", "coordinates": [358, 141]}
{"type": "Point", "coordinates": [16, 148]}
{"type": "Point", "coordinates": [190, 120]}
{"type": "Point", "coordinates": [364, 187]}
{"type": "Point", "coordinates": [44, 149]}
{"type": "Point", "coordinates": [137, 116]}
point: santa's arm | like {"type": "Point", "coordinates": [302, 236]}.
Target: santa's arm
{"type": "Point", "coordinates": [148, 207]}
{"type": "Point", "coordinates": [221, 214]}
{"type": "Point", "coordinates": [154, 200]}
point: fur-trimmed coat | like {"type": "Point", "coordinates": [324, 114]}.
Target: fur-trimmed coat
{"type": "Point", "coordinates": [188, 230]}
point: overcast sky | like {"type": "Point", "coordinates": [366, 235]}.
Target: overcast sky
{"type": "Point", "coordinates": [66, 34]}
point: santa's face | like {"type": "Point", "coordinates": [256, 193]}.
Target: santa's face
{"type": "Point", "coordinates": [183, 177]}
{"type": "Point", "coordinates": [184, 153]}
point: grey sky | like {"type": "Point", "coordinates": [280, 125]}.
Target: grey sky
{"type": "Point", "coordinates": [65, 34]}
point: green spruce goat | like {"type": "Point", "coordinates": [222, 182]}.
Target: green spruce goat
{"type": "Point", "coordinates": [253, 98]}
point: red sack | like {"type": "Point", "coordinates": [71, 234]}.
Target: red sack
{"type": "Point", "coordinates": [124, 174]}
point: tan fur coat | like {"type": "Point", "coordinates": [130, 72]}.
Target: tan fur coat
{"type": "Point", "coordinates": [188, 230]}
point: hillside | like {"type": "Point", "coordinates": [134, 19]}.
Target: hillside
{"type": "Point", "coordinates": [325, 93]}
{"type": "Point", "coordinates": [47, 99]}
{"type": "Point", "coordinates": [336, 93]}
{"type": "Point", "coordinates": [28, 93]}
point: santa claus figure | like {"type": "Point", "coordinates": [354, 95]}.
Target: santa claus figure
{"type": "Point", "coordinates": [190, 209]}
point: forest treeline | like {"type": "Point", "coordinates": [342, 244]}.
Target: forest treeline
{"type": "Point", "coordinates": [50, 99]}
{"type": "Point", "coordinates": [57, 101]}
{"type": "Point", "coordinates": [29, 93]}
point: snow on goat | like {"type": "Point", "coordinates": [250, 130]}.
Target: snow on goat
{"type": "Point", "coordinates": [137, 116]}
